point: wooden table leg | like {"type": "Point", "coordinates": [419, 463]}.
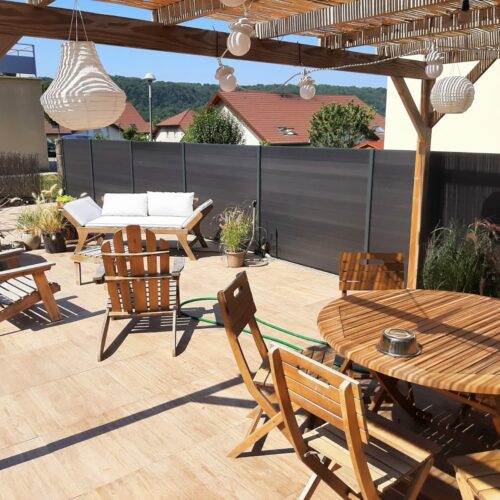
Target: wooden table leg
{"type": "Point", "coordinates": [496, 417]}
{"type": "Point", "coordinates": [389, 385]}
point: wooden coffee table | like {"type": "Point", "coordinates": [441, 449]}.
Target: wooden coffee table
{"type": "Point", "coordinates": [459, 333]}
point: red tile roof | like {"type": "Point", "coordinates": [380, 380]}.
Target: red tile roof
{"type": "Point", "coordinates": [53, 130]}
{"type": "Point", "coordinates": [182, 120]}
{"type": "Point", "coordinates": [131, 116]}
{"type": "Point", "coordinates": [370, 145]}
{"type": "Point", "coordinates": [265, 113]}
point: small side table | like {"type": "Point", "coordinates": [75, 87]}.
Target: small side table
{"type": "Point", "coordinates": [478, 475]}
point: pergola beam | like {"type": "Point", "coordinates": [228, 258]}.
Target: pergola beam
{"type": "Point", "coordinates": [18, 19]}
{"type": "Point", "coordinates": [457, 23]}
{"type": "Point", "coordinates": [357, 11]}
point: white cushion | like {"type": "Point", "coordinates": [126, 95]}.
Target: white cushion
{"type": "Point", "coordinates": [151, 221]}
{"type": "Point", "coordinates": [170, 204]}
{"type": "Point", "coordinates": [125, 204]}
{"type": "Point", "coordinates": [83, 210]}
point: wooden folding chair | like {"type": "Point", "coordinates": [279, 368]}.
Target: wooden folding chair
{"type": "Point", "coordinates": [238, 310]}
{"type": "Point", "coordinates": [22, 287]}
{"type": "Point", "coordinates": [139, 281]}
{"type": "Point", "coordinates": [353, 455]}
{"type": "Point", "coordinates": [371, 271]}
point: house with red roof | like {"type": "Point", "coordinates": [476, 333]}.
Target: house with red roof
{"type": "Point", "coordinates": [280, 119]}
{"type": "Point", "coordinates": [129, 117]}
{"type": "Point", "coordinates": [174, 128]}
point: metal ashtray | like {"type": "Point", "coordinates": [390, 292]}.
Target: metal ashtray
{"type": "Point", "coordinates": [399, 343]}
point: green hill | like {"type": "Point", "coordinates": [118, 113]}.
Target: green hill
{"type": "Point", "coordinates": [170, 98]}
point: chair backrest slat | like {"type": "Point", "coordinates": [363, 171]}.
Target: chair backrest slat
{"type": "Point", "coordinates": [238, 310]}
{"type": "Point", "coordinates": [371, 271]}
{"type": "Point", "coordinates": [151, 292]}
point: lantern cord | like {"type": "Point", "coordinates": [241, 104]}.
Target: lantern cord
{"type": "Point", "coordinates": [74, 19]}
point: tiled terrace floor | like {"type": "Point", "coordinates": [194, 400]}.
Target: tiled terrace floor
{"type": "Point", "coordinates": [142, 424]}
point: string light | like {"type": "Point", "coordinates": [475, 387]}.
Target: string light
{"type": "Point", "coordinates": [239, 42]}
{"type": "Point", "coordinates": [307, 88]}
{"type": "Point", "coordinates": [225, 75]}
{"type": "Point", "coordinates": [434, 60]}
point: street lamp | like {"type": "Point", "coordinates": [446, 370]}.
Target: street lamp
{"type": "Point", "coordinates": [150, 78]}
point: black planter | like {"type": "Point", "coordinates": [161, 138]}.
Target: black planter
{"type": "Point", "coordinates": [54, 242]}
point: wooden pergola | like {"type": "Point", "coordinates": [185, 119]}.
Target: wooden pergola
{"type": "Point", "coordinates": [463, 30]}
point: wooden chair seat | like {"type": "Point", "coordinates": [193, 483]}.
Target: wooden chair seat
{"type": "Point", "coordinates": [386, 462]}
{"type": "Point", "coordinates": [16, 289]}
{"type": "Point", "coordinates": [321, 353]}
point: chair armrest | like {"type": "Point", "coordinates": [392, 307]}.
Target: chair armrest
{"type": "Point", "coordinates": [10, 254]}
{"type": "Point", "coordinates": [198, 214]}
{"type": "Point", "coordinates": [25, 270]}
{"type": "Point", "coordinates": [178, 265]}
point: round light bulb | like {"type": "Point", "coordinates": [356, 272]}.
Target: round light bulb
{"type": "Point", "coordinates": [228, 83]}
{"type": "Point", "coordinates": [433, 70]}
{"type": "Point", "coordinates": [307, 91]}
{"type": "Point", "coordinates": [238, 43]}
{"type": "Point", "coordinates": [233, 3]}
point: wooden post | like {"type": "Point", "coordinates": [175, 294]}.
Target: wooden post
{"type": "Point", "coordinates": [419, 182]}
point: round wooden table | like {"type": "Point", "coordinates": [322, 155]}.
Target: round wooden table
{"type": "Point", "coordinates": [459, 334]}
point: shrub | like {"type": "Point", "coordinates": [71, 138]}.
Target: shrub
{"type": "Point", "coordinates": [51, 219]}
{"type": "Point", "coordinates": [28, 221]}
{"type": "Point", "coordinates": [212, 126]}
{"type": "Point", "coordinates": [464, 259]}
{"type": "Point", "coordinates": [235, 229]}
{"type": "Point", "coordinates": [19, 175]}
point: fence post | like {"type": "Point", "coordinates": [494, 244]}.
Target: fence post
{"type": "Point", "coordinates": [132, 173]}
{"type": "Point", "coordinates": [369, 193]}
{"type": "Point", "coordinates": [183, 159]}
{"type": "Point", "coordinates": [259, 190]}
{"type": "Point", "coordinates": [92, 168]}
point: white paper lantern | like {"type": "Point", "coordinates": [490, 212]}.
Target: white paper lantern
{"type": "Point", "coordinates": [434, 66]}
{"type": "Point", "coordinates": [452, 94]}
{"type": "Point", "coordinates": [307, 88]}
{"type": "Point", "coordinates": [82, 96]}
{"type": "Point", "coordinates": [233, 3]}
{"type": "Point", "coordinates": [227, 80]}
{"type": "Point", "coordinates": [238, 42]}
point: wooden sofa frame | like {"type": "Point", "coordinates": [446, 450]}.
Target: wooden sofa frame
{"type": "Point", "coordinates": [85, 232]}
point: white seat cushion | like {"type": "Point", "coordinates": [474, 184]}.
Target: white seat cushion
{"type": "Point", "coordinates": [153, 222]}
{"type": "Point", "coordinates": [125, 204]}
{"type": "Point", "coordinates": [83, 210]}
{"type": "Point", "coordinates": [170, 204]}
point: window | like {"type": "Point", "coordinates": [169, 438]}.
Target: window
{"type": "Point", "coordinates": [287, 130]}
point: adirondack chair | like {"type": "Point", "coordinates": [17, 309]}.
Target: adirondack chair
{"type": "Point", "coordinates": [22, 287]}
{"type": "Point", "coordinates": [139, 280]}
{"type": "Point", "coordinates": [354, 455]}
{"type": "Point", "coordinates": [10, 258]}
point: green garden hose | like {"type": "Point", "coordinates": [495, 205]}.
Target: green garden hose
{"type": "Point", "coordinates": [261, 321]}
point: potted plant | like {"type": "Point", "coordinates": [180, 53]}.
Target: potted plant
{"type": "Point", "coordinates": [27, 225]}
{"type": "Point", "coordinates": [51, 225]}
{"type": "Point", "coordinates": [235, 232]}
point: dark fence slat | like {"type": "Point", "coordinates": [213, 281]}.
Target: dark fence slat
{"type": "Point", "coordinates": [78, 167]}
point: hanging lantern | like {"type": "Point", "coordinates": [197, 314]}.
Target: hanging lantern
{"type": "Point", "coordinates": [238, 42]}
{"type": "Point", "coordinates": [434, 60]}
{"type": "Point", "coordinates": [233, 3]}
{"type": "Point", "coordinates": [453, 94]}
{"type": "Point", "coordinates": [82, 96]}
{"type": "Point", "coordinates": [227, 80]}
{"type": "Point", "coordinates": [307, 86]}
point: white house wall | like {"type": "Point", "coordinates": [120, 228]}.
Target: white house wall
{"type": "Point", "coordinates": [475, 131]}
{"type": "Point", "coordinates": [169, 134]}
{"type": "Point", "coordinates": [249, 138]}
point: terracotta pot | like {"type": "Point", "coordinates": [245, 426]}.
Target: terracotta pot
{"type": "Point", "coordinates": [31, 241]}
{"type": "Point", "coordinates": [235, 259]}
{"type": "Point", "coordinates": [54, 242]}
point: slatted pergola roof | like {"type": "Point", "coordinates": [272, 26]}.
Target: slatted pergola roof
{"type": "Point", "coordinates": [464, 30]}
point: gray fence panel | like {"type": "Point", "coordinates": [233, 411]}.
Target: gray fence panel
{"type": "Point", "coordinates": [225, 173]}
{"type": "Point", "coordinates": [157, 167]}
{"type": "Point", "coordinates": [112, 168]}
{"type": "Point", "coordinates": [466, 187]}
{"type": "Point", "coordinates": [77, 158]}
{"type": "Point", "coordinates": [313, 203]}
{"type": "Point", "coordinates": [391, 201]}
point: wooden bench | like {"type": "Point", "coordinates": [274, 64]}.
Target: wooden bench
{"type": "Point", "coordinates": [478, 475]}
{"type": "Point", "coordinates": [22, 287]}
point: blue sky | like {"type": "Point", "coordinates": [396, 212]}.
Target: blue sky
{"type": "Point", "coordinates": [179, 67]}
